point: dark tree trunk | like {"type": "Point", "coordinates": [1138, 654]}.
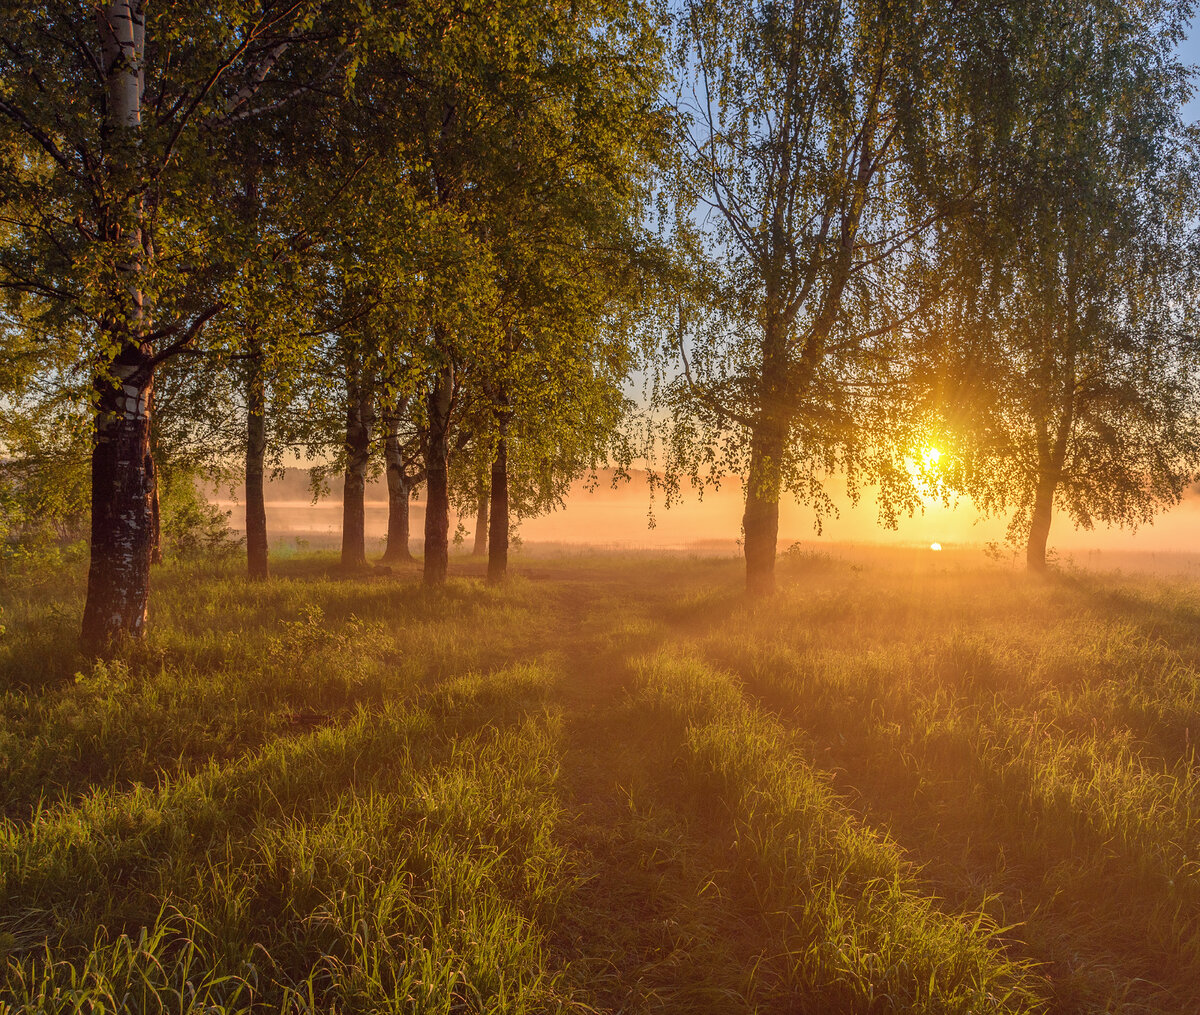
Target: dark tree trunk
{"type": "Point", "coordinates": [760, 523]}
{"type": "Point", "coordinates": [1052, 444]}
{"type": "Point", "coordinates": [118, 591]}
{"type": "Point", "coordinates": [398, 492]}
{"type": "Point", "coordinates": [397, 550]}
{"type": "Point", "coordinates": [257, 567]}
{"type": "Point", "coordinates": [1039, 524]}
{"type": "Point", "coordinates": [123, 481]}
{"type": "Point", "coordinates": [359, 417]}
{"type": "Point", "coordinates": [437, 479]}
{"type": "Point", "coordinates": [480, 548]}
{"type": "Point", "coordinates": [498, 531]}
{"type": "Point", "coordinates": [156, 554]}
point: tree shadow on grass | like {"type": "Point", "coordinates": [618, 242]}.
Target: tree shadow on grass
{"type": "Point", "coordinates": [228, 666]}
{"type": "Point", "coordinates": [656, 923]}
{"type": "Point", "coordinates": [1163, 610]}
{"type": "Point", "coordinates": [106, 859]}
{"type": "Point", "coordinates": [1089, 900]}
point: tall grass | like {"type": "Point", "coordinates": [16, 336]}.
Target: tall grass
{"type": "Point", "coordinates": [849, 929]}
{"type": "Point", "coordinates": [1032, 743]}
{"type": "Point", "coordinates": [612, 785]}
{"type": "Point", "coordinates": [399, 862]}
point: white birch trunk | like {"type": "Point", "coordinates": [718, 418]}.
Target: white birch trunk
{"type": "Point", "coordinates": [123, 474]}
{"type": "Point", "coordinates": [123, 48]}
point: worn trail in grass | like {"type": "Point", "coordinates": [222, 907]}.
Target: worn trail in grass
{"type": "Point", "coordinates": [612, 786]}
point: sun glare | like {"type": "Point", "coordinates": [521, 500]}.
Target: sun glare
{"type": "Point", "coordinates": [935, 546]}
{"type": "Point", "coordinates": [930, 457]}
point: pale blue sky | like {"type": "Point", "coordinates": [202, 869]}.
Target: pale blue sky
{"type": "Point", "coordinates": [1190, 53]}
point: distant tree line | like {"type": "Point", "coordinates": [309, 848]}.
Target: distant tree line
{"type": "Point", "coordinates": [438, 239]}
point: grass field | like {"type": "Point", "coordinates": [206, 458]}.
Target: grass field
{"type": "Point", "coordinates": [610, 786]}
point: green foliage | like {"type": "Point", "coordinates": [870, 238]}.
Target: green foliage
{"type": "Point", "coordinates": [44, 491]}
{"type": "Point", "coordinates": [191, 526]}
{"type": "Point", "coordinates": [1068, 371]}
{"type": "Point", "coordinates": [824, 150]}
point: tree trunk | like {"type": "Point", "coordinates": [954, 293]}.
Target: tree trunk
{"type": "Point", "coordinates": [1053, 454]}
{"type": "Point", "coordinates": [118, 592]}
{"type": "Point", "coordinates": [123, 486]}
{"type": "Point", "coordinates": [1039, 524]}
{"type": "Point", "coordinates": [398, 492]}
{"type": "Point", "coordinates": [480, 548]}
{"type": "Point", "coordinates": [437, 479]}
{"type": "Point", "coordinates": [498, 531]}
{"type": "Point", "coordinates": [397, 550]}
{"type": "Point", "coordinates": [156, 554]}
{"type": "Point", "coordinates": [760, 523]}
{"type": "Point", "coordinates": [122, 25]}
{"type": "Point", "coordinates": [257, 567]}
{"type": "Point", "coordinates": [359, 417]}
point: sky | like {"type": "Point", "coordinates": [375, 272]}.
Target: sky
{"type": "Point", "coordinates": [1189, 52]}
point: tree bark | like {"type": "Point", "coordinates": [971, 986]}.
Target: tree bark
{"type": "Point", "coordinates": [123, 483]}
{"type": "Point", "coordinates": [1039, 524]}
{"type": "Point", "coordinates": [257, 567]}
{"type": "Point", "coordinates": [122, 25]}
{"type": "Point", "coordinates": [760, 522]}
{"type": "Point", "coordinates": [156, 554]}
{"type": "Point", "coordinates": [498, 530]}
{"type": "Point", "coordinates": [396, 550]}
{"type": "Point", "coordinates": [437, 478]}
{"type": "Point", "coordinates": [118, 592]}
{"type": "Point", "coordinates": [1052, 455]}
{"type": "Point", "coordinates": [480, 548]}
{"type": "Point", "coordinates": [359, 417]}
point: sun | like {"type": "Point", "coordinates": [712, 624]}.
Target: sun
{"type": "Point", "coordinates": [930, 457]}
{"type": "Point", "coordinates": [935, 546]}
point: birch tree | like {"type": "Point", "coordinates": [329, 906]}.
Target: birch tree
{"type": "Point", "coordinates": [507, 116]}
{"type": "Point", "coordinates": [826, 144]}
{"type": "Point", "coordinates": [1071, 376]}
{"type": "Point", "coordinates": [111, 120]}
{"type": "Point", "coordinates": [403, 438]}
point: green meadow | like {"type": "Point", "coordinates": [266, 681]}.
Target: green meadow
{"type": "Point", "coordinates": [611, 784]}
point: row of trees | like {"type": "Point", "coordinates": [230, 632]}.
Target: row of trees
{"type": "Point", "coordinates": [296, 206]}
{"type": "Point", "coordinates": [830, 234]}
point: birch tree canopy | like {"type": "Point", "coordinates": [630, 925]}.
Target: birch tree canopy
{"type": "Point", "coordinates": [827, 145]}
{"type": "Point", "coordinates": [1070, 369]}
{"type": "Point", "coordinates": [112, 121]}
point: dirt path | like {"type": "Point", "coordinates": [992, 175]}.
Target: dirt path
{"type": "Point", "coordinates": [657, 922]}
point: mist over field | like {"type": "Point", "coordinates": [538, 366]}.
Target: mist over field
{"type": "Point", "coordinates": [600, 515]}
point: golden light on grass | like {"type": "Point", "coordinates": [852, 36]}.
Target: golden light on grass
{"type": "Point", "coordinates": [936, 546]}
